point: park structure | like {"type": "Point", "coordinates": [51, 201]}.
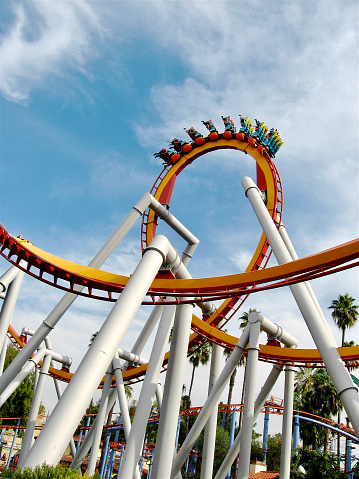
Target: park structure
{"type": "Point", "coordinates": [162, 281]}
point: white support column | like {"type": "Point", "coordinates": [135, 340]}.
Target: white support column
{"type": "Point", "coordinates": [261, 399]}
{"type": "Point", "coordinates": [57, 433]}
{"type": "Point", "coordinates": [209, 442]}
{"type": "Point", "coordinates": [34, 411]}
{"type": "Point", "coordinates": [249, 398]}
{"type": "Point", "coordinates": [65, 302]}
{"type": "Point", "coordinates": [148, 328]}
{"type": "Point", "coordinates": [167, 428]}
{"type": "Point", "coordinates": [211, 402]}
{"type": "Point", "coordinates": [321, 335]}
{"type": "Point", "coordinates": [7, 311]}
{"type": "Point", "coordinates": [284, 235]}
{"type": "Point", "coordinates": [286, 448]}
{"type": "Point", "coordinates": [8, 277]}
{"type": "Point", "coordinates": [25, 371]}
{"type": "Point", "coordinates": [101, 416]}
{"type": "Point", "coordinates": [135, 440]}
{"type": "Point", "coordinates": [125, 415]}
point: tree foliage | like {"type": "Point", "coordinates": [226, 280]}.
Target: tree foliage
{"type": "Point", "coordinates": [315, 394]}
{"type": "Point", "coordinates": [19, 403]}
{"type": "Point", "coordinates": [345, 313]}
{"type": "Point", "coordinates": [274, 444]}
{"type": "Point", "coordinates": [316, 465]}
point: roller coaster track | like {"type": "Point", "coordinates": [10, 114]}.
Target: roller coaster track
{"type": "Point", "coordinates": [233, 289]}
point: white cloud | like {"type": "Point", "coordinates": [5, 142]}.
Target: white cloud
{"type": "Point", "coordinates": [45, 40]}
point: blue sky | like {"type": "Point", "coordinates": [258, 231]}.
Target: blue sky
{"type": "Point", "coordinates": [91, 90]}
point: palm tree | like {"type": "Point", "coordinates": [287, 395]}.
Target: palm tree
{"type": "Point", "coordinates": [200, 356]}
{"type": "Point", "coordinates": [345, 313]}
{"type": "Point", "coordinates": [315, 393]}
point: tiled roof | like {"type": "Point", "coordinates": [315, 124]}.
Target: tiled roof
{"type": "Point", "coordinates": [263, 475]}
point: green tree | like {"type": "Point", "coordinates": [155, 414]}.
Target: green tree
{"type": "Point", "coordinates": [316, 465]}
{"type": "Point", "coordinates": [19, 403]}
{"type": "Point", "coordinates": [315, 394]}
{"type": "Point", "coordinates": [274, 445]}
{"type": "Point", "coordinates": [345, 313]}
{"type": "Point", "coordinates": [221, 448]}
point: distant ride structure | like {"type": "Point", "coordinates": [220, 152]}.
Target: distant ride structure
{"type": "Point", "coordinates": [161, 279]}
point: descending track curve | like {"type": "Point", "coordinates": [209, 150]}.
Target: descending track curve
{"type": "Point", "coordinates": [51, 269]}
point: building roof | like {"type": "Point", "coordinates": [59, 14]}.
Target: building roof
{"type": "Point", "coordinates": [263, 475]}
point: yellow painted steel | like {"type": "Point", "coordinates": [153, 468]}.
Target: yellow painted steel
{"type": "Point", "coordinates": [229, 283]}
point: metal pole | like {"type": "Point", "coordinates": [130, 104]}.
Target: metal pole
{"type": "Point", "coordinates": [265, 433]}
{"type": "Point", "coordinates": [296, 434]}
{"type": "Point", "coordinates": [286, 452]}
{"type": "Point", "coordinates": [249, 398]}
{"type": "Point", "coordinates": [126, 421]}
{"type": "Point", "coordinates": [28, 368]}
{"type": "Point", "coordinates": [105, 456]}
{"type": "Point", "coordinates": [135, 440]}
{"type": "Point", "coordinates": [56, 434]}
{"type": "Point", "coordinates": [87, 425]}
{"type": "Point", "coordinates": [209, 442]}
{"type": "Point", "coordinates": [7, 311]}
{"type": "Point", "coordinates": [13, 444]}
{"type": "Point", "coordinates": [113, 453]}
{"type": "Point", "coordinates": [211, 402]}
{"type": "Point", "coordinates": [52, 319]}
{"type": "Point", "coordinates": [231, 436]}
{"type": "Point", "coordinates": [101, 416]}
{"type": "Point", "coordinates": [8, 277]}
{"type": "Point", "coordinates": [261, 399]}
{"type": "Point", "coordinates": [348, 453]}
{"type": "Point", "coordinates": [34, 411]}
{"type": "Point", "coordinates": [324, 341]}
{"type": "Point", "coordinates": [166, 435]}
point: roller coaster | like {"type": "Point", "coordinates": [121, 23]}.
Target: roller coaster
{"type": "Point", "coordinates": [162, 280]}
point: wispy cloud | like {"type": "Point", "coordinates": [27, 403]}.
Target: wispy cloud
{"type": "Point", "coordinates": [46, 40]}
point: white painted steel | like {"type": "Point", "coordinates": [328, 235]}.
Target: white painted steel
{"type": "Point", "coordinates": [8, 277]}
{"type": "Point", "coordinates": [321, 335]}
{"type": "Point", "coordinates": [65, 302]}
{"type": "Point", "coordinates": [135, 440]}
{"type": "Point", "coordinates": [209, 442]}
{"type": "Point", "coordinates": [211, 402]}
{"type": "Point", "coordinates": [284, 235]}
{"type": "Point", "coordinates": [273, 330]}
{"type": "Point", "coordinates": [34, 411]}
{"type": "Point", "coordinates": [286, 447]}
{"type": "Point", "coordinates": [261, 399]}
{"type": "Point", "coordinates": [56, 434]}
{"type": "Point", "coordinates": [101, 417]}
{"type": "Point", "coordinates": [26, 370]}
{"type": "Point", "coordinates": [167, 428]}
{"type": "Point", "coordinates": [249, 398]}
{"type": "Point", "coordinates": [125, 415]}
{"type": "Point", "coordinates": [147, 329]}
{"type": "Point", "coordinates": [7, 311]}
